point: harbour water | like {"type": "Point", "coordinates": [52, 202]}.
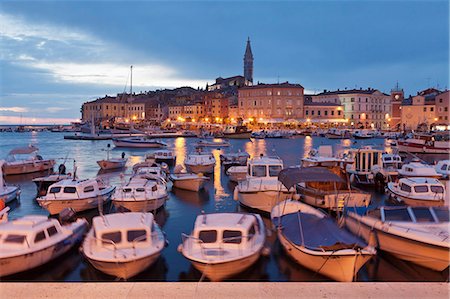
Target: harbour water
{"type": "Point", "coordinates": [181, 209]}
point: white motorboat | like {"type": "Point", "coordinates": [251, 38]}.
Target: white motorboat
{"type": "Point", "coordinates": [334, 133]}
{"type": "Point", "coordinates": [165, 156]}
{"type": "Point", "coordinates": [443, 167]}
{"type": "Point", "coordinates": [216, 144]}
{"type": "Point", "coordinates": [418, 191]}
{"type": "Point", "coordinates": [222, 245]}
{"type": "Point", "coordinates": [33, 240]}
{"type": "Point", "coordinates": [188, 181]}
{"type": "Point", "coordinates": [363, 134]}
{"type": "Point", "coordinates": [237, 173]}
{"type": "Point", "coordinates": [417, 169]}
{"type": "Point", "coordinates": [79, 195]}
{"type": "Point", "coordinates": [24, 160]}
{"type": "Point", "coordinates": [200, 162]}
{"type": "Point", "coordinates": [151, 170]}
{"type": "Point", "coordinates": [123, 244]}
{"type": "Point", "coordinates": [42, 183]}
{"type": "Point", "coordinates": [416, 234]}
{"type": "Point", "coordinates": [139, 142]}
{"type": "Point", "coordinates": [141, 195]}
{"type": "Point", "coordinates": [390, 165]}
{"type": "Point", "coordinates": [261, 190]}
{"type": "Point", "coordinates": [7, 192]}
{"type": "Point", "coordinates": [315, 241]}
{"type": "Point", "coordinates": [323, 156]}
{"type": "Point", "coordinates": [237, 132]}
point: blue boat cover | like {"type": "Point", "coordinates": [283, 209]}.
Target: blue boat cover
{"type": "Point", "coordinates": [319, 233]}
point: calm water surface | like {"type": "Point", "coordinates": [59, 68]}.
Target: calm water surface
{"type": "Point", "coordinates": [182, 208]}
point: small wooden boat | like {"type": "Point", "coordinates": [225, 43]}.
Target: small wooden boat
{"type": "Point", "coordinates": [224, 244]}
{"type": "Point", "coordinates": [200, 162]}
{"type": "Point", "coordinates": [7, 192]}
{"type": "Point", "coordinates": [112, 163]}
{"type": "Point", "coordinates": [123, 244]}
{"type": "Point", "coordinates": [24, 160]}
{"type": "Point", "coordinates": [315, 241]}
{"type": "Point", "coordinates": [33, 240]}
{"type": "Point", "coordinates": [416, 234]}
{"type": "Point", "coordinates": [79, 195]}
{"type": "Point", "coordinates": [138, 142]}
{"type": "Point", "coordinates": [418, 191]}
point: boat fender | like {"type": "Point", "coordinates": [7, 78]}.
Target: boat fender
{"type": "Point", "coordinates": [265, 251]}
{"type": "Point", "coordinates": [180, 248]}
{"type": "Point", "coordinates": [235, 194]}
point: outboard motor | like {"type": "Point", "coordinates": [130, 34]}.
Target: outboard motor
{"type": "Point", "coordinates": [62, 169]}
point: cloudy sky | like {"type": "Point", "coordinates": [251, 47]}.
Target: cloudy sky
{"type": "Point", "coordinates": [56, 55]}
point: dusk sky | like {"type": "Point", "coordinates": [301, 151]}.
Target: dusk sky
{"type": "Point", "coordinates": [56, 55]}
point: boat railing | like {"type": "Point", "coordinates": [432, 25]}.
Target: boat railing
{"type": "Point", "coordinates": [109, 242]}
{"type": "Point", "coordinates": [140, 239]}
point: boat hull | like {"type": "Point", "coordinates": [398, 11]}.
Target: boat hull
{"type": "Point", "coordinates": [28, 167]}
{"type": "Point", "coordinates": [221, 271]}
{"type": "Point", "coordinates": [207, 168]}
{"type": "Point", "coordinates": [243, 135]}
{"type": "Point", "coordinates": [78, 205]}
{"type": "Point", "coordinates": [337, 267]}
{"type": "Point", "coordinates": [9, 194]}
{"type": "Point", "coordinates": [20, 263]}
{"type": "Point", "coordinates": [105, 164]}
{"type": "Point", "coordinates": [134, 144]}
{"type": "Point", "coordinates": [427, 255]}
{"type": "Point", "coordinates": [261, 200]}
{"type": "Point", "coordinates": [140, 205]}
{"type": "Point", "coordinates": [124, 269]}
{"type": "Point", "coordinates": [237, 176]}
{"type": "Point", "coordinates": [191, 184]}
{"type": "Point", "coordinates": [420, 148]}
{"type": "Point", "coordinates": [334, 201]}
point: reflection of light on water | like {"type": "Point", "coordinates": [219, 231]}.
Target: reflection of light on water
{"type": "Point", "coordinates": [219, 192]}
{"type": "Point", "coordinates": [307, 146]}
{"type": "Point", "coordinates": [256, 147]}
{"type": "Point", "coordinates": [346, 142]}
{"type": "Point", "coordinates": [134, 160]}
{"type": "Point", "coordinates": [180, 149]}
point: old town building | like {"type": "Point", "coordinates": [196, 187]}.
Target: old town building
{"type": "Point", "coordinates": [109, 108]}
{"type": "Point", "coordinates": [323, 113]}
{"type": "Point", "coordinates": [280, 101]}
{"type": "Point", "coordinates": [442, 108]}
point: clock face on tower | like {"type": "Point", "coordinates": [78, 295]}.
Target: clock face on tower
{"type": "Point", "coordinates": [397, 96]}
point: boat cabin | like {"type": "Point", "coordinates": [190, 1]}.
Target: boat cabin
{"type": "Point", "coordinates": [418, 169]}
{"type": "Point", "coordinates": [365, 158]}
{"type": "Point", "coordinates": [225, 230]}
{"type": "Point", "coordinates": [260, 167]}
{"type": "Point", "coordinates": [27, 232]}
{"type": "Point", "coordinates": [414, 214]}
{"type": "Point", "coordinates": [123, 230]}
{"type": "Point", "coordinates": [74, 188]}
{"type": "Point", "coordinates": [443, 167]}
{"type": "Point", "coordinates": [421, 186]}
{"type": "Point", "coordinates": [391, 161]}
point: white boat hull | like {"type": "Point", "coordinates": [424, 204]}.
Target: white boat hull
{"type": "Point", "coordinates": [78, 205]}
{"type": "Point", "coordinates": [108, 164]}
{"type": "Point", "coordinates": [339, 267]}
{"type": "Point", "coordinates": [195, 168]}
{"type": "Point", "coordinates": [124, 269]}
{"type": "Point", "coordinates": [426, 255]}
{"type": "Point", "coordinates": [261, 200]}
{"type": "Point", "coordinates": [189, 184]}
{"type": "Point", "coordinates": [27, 167]}
{"type": "Point", "coordinates": [20, 263]}
{"type": "Point", "coordinates": [417, 148]}
{"type": "Point", "coordinates": [221, 271]}
{"type": "Point", "coordinates": [140, 205]}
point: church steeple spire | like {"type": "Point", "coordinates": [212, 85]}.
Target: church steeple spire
{"type": "Point", "coordinates": [248, 62]}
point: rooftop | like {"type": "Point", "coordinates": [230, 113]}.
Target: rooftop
{"type": "Point", "coordinates": [274, 85]}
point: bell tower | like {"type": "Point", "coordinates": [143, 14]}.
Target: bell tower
{"type": "Point", "coordinates": [248, 63]}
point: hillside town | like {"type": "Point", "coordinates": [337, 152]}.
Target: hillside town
{"type": "Point", "coordinates": [239, 98]}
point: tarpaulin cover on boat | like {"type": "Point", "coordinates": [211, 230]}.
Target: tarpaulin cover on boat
{"type": "Point", "coordinates": [318, 233]}
{"type": "Point", "coordinates": [23, 150]}
{"type": "Point", "coordinates": [289, 177]}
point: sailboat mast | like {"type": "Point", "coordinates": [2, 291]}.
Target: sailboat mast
{"type": "Point", "coordinates": [131, 81]}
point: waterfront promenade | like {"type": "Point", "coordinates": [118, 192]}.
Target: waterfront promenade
{"type": "Point", "coordinates": [224, 290]}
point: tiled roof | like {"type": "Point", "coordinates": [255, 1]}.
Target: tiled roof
{"type": "Point", "coordinates": [276, 85]}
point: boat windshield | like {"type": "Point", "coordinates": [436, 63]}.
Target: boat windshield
{"type": "Point", "coordinates": [423, 214]}
{"type": "Point", "coordinates": [232, 236]}
{"type": "Point", "coordinates": [208, 236]}
{"type": "Point", "coordinates": [55, 190]}
{"type": "Point", "coordinates": [274, 170]}
{"type": "Point", "coordinates": [442, 214]}
{"type": "Point", "coordinates": [112, 238]}
{"type": "Point", "coordinates": [14, 239]}
{"type": "Point", "coordinates": [437, 189]}
{"type": "Point", "coordinates": [421, 189]}
{"type": "Point", "coordinates": [138, 235]}
{"type": "Point", "coordinates": [396, 215]}
{"type": "Point", "coordinates": [259, 171]}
